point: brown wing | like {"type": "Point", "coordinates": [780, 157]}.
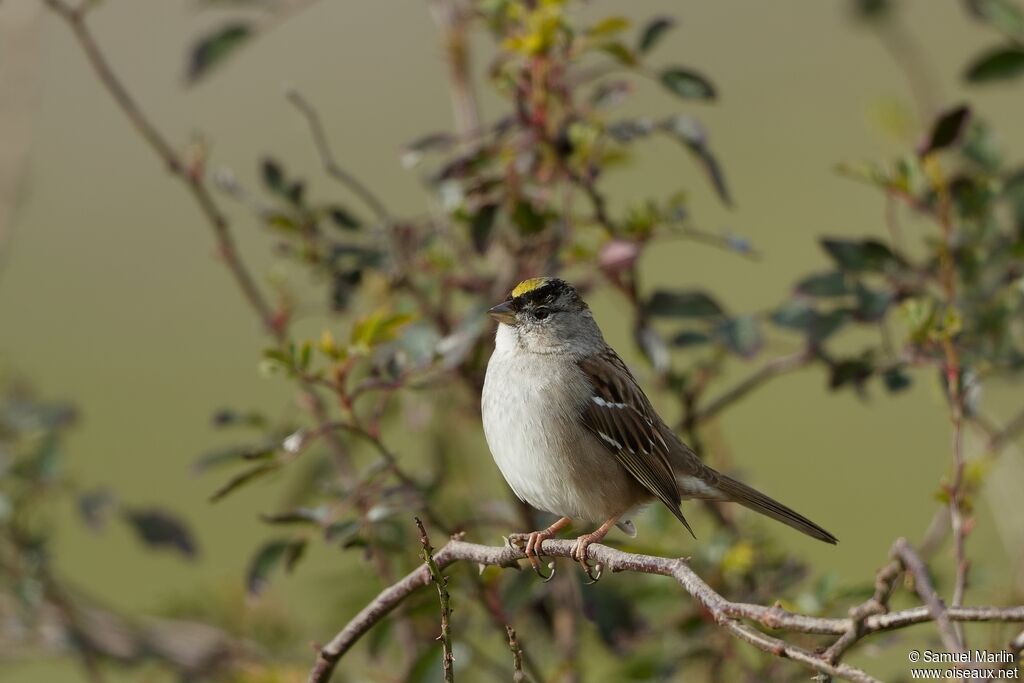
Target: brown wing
{"type": "Point", "coordinates": [623, 419]}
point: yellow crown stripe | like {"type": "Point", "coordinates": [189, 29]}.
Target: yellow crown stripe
{"type": "Point", "coordinates": [527, 286]}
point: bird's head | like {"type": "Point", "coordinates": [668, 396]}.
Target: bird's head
{"type": "Point", "coordinates": [546, 315]}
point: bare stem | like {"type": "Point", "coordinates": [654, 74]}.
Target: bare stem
{"type": "Point", "coordinates": [729, 615]}
{"type": "Point", "coordinates": [194, 182]}
{"type": "Point", "coordinates": [441, 582]}
{"type": "Point", "coordinates": [773, 368]}
{"type": "Point", "coordinates": [954, 372]}
{"type": "Point", "coordinates": [902, 551]}
{"type": "Point", "coordinates": [451, 20]}
{"type": "Point", "coordinates": [331, 165]}
{"type": "Point", "coordinates": [517, 656]}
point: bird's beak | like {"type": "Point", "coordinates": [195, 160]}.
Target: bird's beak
{"type": "Point", "coordinates": [503, 313]}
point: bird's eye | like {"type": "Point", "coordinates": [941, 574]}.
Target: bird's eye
{"type": "Point", "coordinates": [541, 313]}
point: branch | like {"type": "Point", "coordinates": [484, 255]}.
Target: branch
{"type": "Point", "coordinates": [196, 184]}
{"type": "Point", "coordinates": [441, 581]}
{"type": "Point", "coordinates": [517, 656]}
{"type": "Point", "coordinates": [908, 558]}
{"type": "Point", "coordinates": [193, 181]}
{"type": "Point", "coordinates": [451, 20]}
{"type": "Point", "coordinates": [773, 368]}
{"type": "Point", "coordinates": [725, 613]}
{"type": "Point", "coordinates": [331, 165]}
{"type": "Point", "coordinates": [999, 440]}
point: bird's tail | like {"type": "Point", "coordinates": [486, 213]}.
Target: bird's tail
{"type": "Point", "coordinates": [746, 496]}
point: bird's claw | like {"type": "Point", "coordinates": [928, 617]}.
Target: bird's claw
{"type": "Point", "coordinates": [579, 553]}
{"type": "Point", "coordinates": [530, 544]}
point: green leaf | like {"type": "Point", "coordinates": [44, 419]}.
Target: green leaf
{"type": "Point", "coordinates": [690, 338]}
{"type": "Point", "coordinates": [608, 26]}
{"type": "Point", "coordinates": [795, 314]}
{"type": "Point", "coordinates": [342, 532]}
{"type": "Point", "coordinates": [295, 192]}
{"type": "Point", "coordinates": [223, 456]}
{"type": "Point", "coordinates": [947, 130]}
{"type": "Point", "coordinates": [869, 255]}
{"type": "Point", "coordinates": [896, 379]}
{"type": "Point", "coordinates": [997, 64]}
{"type": "Point", "coordinates": [527, 218]}
{"type": "Point", "coordinates": [872, 10]}
{"type": "Point", "coordinates": [871, 304]}
{"type": "Point", "coordinates": [46, 461]}
{"type": "Point", "coordinates": [831, 283]}
{"type": "Point", "coordinates": [614, 613]}
{"type": "Point", "coordinates": [243, 478]}
{"type": "Point", "coordinates": [628, 130]}
{"type": "Point", "coordinates": [378, 328]}
{"type": "Point", "coordinates": [687, 83]}
{"type": "Point", "coordinates": [282, 221]}
{"type": "Point", "coordinates": [481, 227]}
{"type": "Point", "coordinates": [316, 516]}
{"type": "Point", "coordinates": [269, 557]}
{"type": "Point", "coordinates": [94, 507]}
{"type": "Point", "coordinates": [210, 51]}
{"type": "Point", "coordinates": [982, 146]}
{"type": "Point", "coordinates": [1004, 15]}
{"type": "Point", "coordinates": [855, 371]}
{"type": "Point", "coordinates": [161, 529]}
{"type": "Point", "coordinates": [620, 53]}
{"type": "Point", "coordinates": [342, 218]}
{"type": "Point", "coordinates": [824, 325]}
{"type": "Point", "coordinates": [653, 346]}
{"type": "Point", "coordinates": [227, 417]}
{"type": "Point", "coordinates": [427, 667]}
{"type": "Point", "coordinates": [690, 304]}
{"type": "Point", "coordinates": [273, 175]}
{"type": "Point", "coordinates": [295, 552]}
{"type": "Point", "coordinates": [690, 133]}
{"type": "Point", "coordinates": [741, 335]}
{"type": "Point", "coordinates": [609, 94]}
{"type": "Point", "coordinates": [653, 32]}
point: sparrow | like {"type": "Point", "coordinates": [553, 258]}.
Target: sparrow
{"type": "Point", "coordinates": [574, 434]}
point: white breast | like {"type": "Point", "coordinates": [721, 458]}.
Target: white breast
{"type": "Point", "coordinates": [531, 405]}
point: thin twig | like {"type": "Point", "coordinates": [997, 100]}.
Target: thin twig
{"type": "Point", "coordinates": [902, 551]}
{"type": "Point", "coordinates": [876, 604]}
{"type": "Point", "coordinates": [331, 165]}
{"type": "Point", "coordinates": [441, 582]}
{"type": "Point", "coordinates": [451, 20]}
{"type": "Point", "coordinates": [274, 324]}
{"type": "Point", "coordinates": [725, 613]}
{"type": "Point", "coordinates": [1008, 433]}
{"type": "Point", "coordinates": [953, 371]}
{"type": "Point", "coordinates": [517, 656]}
{"type": "Point", "coordinates": [773, 368]}
{"type": "Point", "coordinates": [194, 182]}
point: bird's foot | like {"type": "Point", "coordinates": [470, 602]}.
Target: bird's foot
{"type": "Point", "coordinates": [579, 550]}
{"type": "Point", "coordinates": [531, 545]}
{"type": "Point", "coordinates": [579, 553]}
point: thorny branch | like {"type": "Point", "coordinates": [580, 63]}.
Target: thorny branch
{"type": "Point", "coordinates": [871, 617]}
{"type": "Point", "coordinates": [274, 323]}
{"type": "Point", "coordinates": [517, 656]}
{"type": "Point", "coordinates": [923, 585]}
{"type": "Point", "coordinates": [441, 582]}
{"type": "Point", "coordinates": [732, 616]}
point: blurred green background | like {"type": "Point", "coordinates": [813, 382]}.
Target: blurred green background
{"type": "Point", "coordinates": [111, 296]}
